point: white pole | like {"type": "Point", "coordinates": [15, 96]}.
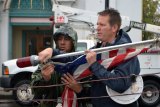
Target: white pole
{"type": "Point", "coordinates": [105, 49]}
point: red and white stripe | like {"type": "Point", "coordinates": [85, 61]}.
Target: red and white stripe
{"type": "Point", "coordinates": [109, 60]}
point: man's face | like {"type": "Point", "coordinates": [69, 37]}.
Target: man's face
{"type": "Point", "coordinates": [105, 32]}
{"type": "Point", "coordinates": [64, 43]}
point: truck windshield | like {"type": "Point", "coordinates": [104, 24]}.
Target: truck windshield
{"type": "Point", "coordinates": [81, 46]}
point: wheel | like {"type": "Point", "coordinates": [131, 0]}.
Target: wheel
{"type": "Point", "coordinates": [151, 96]}
{"type": "Point", "coordinates": [23, 94]}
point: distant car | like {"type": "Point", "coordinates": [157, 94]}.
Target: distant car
{"type": "Point", "coordinates": [84, 45]}
{"type": "Point", "coordinates": [20, 78]}
{"type": "Point", "coordinates": [15, 77]}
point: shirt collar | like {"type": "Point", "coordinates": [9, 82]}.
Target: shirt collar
{"type": "Point", "coordinates": [108, 44]}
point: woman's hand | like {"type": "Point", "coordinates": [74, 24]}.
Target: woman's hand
{"type": "Point", "coordinates": [71, 83]}
{"type": "Point", "coordinates": [47, 71]}
{"type": "Point", "coordinates": [44, 55]}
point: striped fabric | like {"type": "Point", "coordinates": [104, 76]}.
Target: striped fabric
{"type": "Point", "coordinates": [110, 59]}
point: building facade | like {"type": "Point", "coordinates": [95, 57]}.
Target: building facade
{"type": "Point", "coordinates": [25, 28]}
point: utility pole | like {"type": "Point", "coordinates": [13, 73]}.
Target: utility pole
{"type": "Point", "coordinates": [106, 4]}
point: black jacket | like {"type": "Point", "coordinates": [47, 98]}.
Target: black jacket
{"type": "Point", "coordinates": [120, 85]}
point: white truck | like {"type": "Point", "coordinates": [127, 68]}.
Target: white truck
{"type": "Point", "coordinates": [20, 78]}
{"type": "Point", "coordinates": [14, 76]}
{"type": "Point", "coordinates": [149, 64]}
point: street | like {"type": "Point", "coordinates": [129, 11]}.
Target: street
{"type": "Point", "coordinates": [4, 96]}
{"type": "Point", "coordinates": [5, 103]}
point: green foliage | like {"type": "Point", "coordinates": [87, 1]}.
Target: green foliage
{"type": "Point", "coordinates": [150, 16]}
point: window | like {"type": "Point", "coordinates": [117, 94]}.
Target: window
{"type": "Point", "coordinates": [81, 46]}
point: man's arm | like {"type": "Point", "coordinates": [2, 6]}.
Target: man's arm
{"type": "Point", "coordinates": [123, 70]}
{"type": "Point", "coordinates": [49, 52]}
{"type": "Point", "coordinates": [38, 80]}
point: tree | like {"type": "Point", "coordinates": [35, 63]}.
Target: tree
{"type": "Point", "coordinates": [150, 15]}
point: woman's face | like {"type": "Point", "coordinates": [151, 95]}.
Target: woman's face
{"type": "Point", "coordinates": [64, 43]}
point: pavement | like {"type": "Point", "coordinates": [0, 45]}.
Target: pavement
{"type": "Point", "coordinates": [4, 96]}
{"type": "Point", "coordinates": [6, 100]}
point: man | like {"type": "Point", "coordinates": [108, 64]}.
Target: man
{"type": "Point", "coordinates": [109, 33]}
{"type": "Point", "coordinates": [65, 39]}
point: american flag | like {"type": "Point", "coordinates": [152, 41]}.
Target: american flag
{"type": "Point", "coordinates": [110, 59]}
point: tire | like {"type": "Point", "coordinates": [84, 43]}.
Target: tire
{"type": "Point", "coordinates": [151, 95]}
{"type": "Point", "coordinates": [23, 94]}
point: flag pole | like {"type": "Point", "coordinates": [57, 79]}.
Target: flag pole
{"type": "Point", "coordinates": [33, 60]}
{"type": "Point", "coordinates": [105, 49]}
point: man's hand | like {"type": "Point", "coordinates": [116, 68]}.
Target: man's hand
{"type": "Point", "coordinates": [47, 71]}
{"type": "Point", "coordinates": [90, 57]}
{"type": "Point", "coordinates": [71, 82]}
{"type": "Point", "coordinates": [44, 55]}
